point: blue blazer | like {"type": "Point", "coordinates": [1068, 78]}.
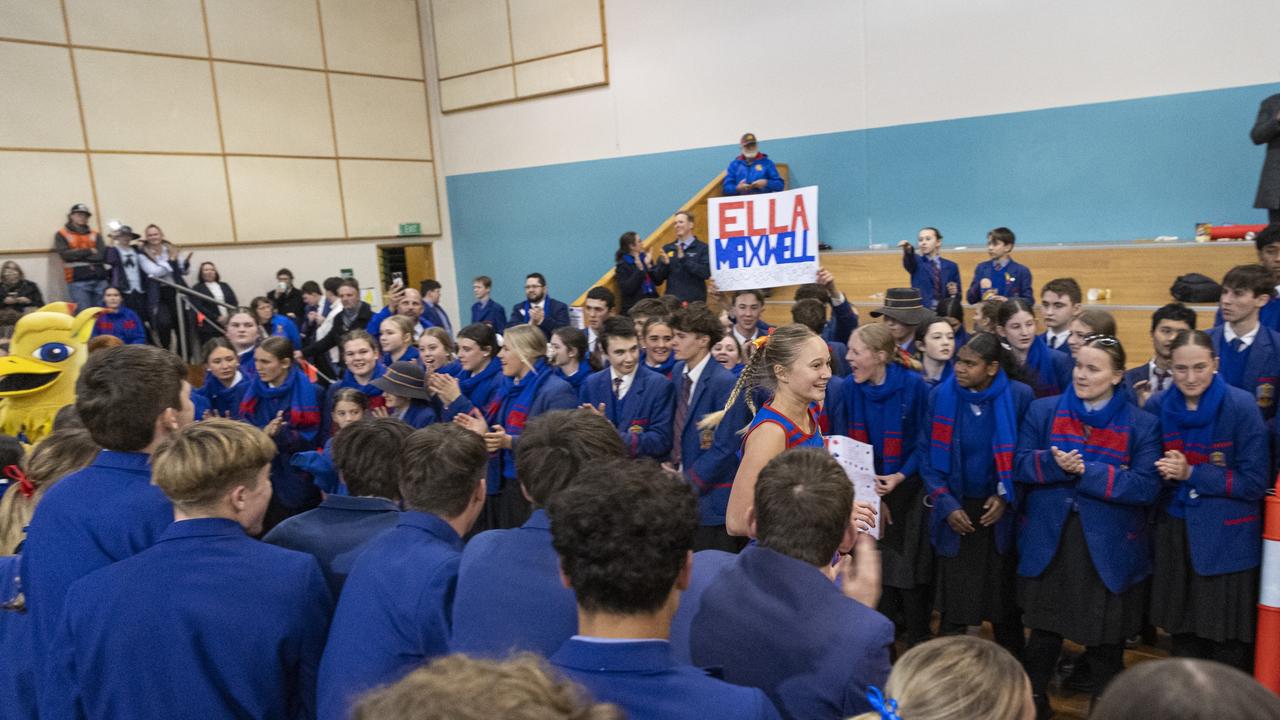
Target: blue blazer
{"type": "Point", "coordinates": [92, 518]}
{"type": "Point", "coordinates": [374, 326]}
{"type": "Point", "coordinates": [1064, 348]}
{"type": "Point", "coordinates": [922, 277]}
{"type": "Point", "coordinates": [282, 326]}
{"type": "Point", "coordinates": [1261, 370]}
{"type": "Point", "coordinates": [18, 681]}
{"type": "Point", "coordinates": [778, 624]}
{"type": "Point", "coordinates": [1019, 286]}
{"type": "Point", "coordinates": [336, 532]}
{"type": "Point", "coordinates": [489, 313]}
{"type": "Point", "coordinates": [509, 594]}
{"type": "Point", "coordinates": [644, 416]}
{"type": "Point", "coordinates": [947, 491]}
{"type": "Point", "coordinates": [1133, 376]}
{"type": "Point", "coordinates": [710, 458]}
{"type": "Point", "coordinates": [841, 324]}
{"type": "Point", "coordinates": [555, 394]}
{"type": "Point", "coordinates": [1224, 512]}
{"type": "Point", "coordinates": [707, 565]}
{"type": "Point", "coordinates": [555, 314]}
{"type": "Point", "coordinates": [229, 626]}
{"type": "Point", "coordinates": [436, 315]}
{"type": "Point", "coordinates": [644, 679]}
{"type": "Point", "coordinates": [394, 611]}
{"type": "Point", "coordinates": [1112, 500]}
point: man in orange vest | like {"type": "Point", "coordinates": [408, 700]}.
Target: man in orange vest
{"type": "Point", "coordinates": [84, 256]}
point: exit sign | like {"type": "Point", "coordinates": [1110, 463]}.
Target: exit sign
{"type": "Point", "coordinates": [410, 228]}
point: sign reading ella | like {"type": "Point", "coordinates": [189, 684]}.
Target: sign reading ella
{"type": "Point", "coordinates": [762, 241]}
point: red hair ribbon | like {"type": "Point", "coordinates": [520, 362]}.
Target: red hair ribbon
{"type": "Point", "coordinates": [25, 486]}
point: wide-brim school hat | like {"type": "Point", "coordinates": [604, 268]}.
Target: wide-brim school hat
{"type": "Point", "coordinates": [905, 306]}
{"type": "Point", "coordinates": [404, 379]}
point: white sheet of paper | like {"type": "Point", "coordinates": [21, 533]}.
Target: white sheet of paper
{"type": "Point", "coordinates": [858, 461]}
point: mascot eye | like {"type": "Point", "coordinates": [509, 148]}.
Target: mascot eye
{"type": "Point", "coordinates": [53, 352]}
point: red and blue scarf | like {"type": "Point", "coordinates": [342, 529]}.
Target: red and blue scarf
{"type": "Point", "coordinates": [369, 390]}
{"type": "Point", "coordinates": [1100, 435]}
{"type": "Point", "coordinates": [303, 413]}
{"type": "Point", "coordinates": [577, 378]}
{"type": "Point", "coordinates": [1190, 432]}
{"type": "Point", "coordinates": [947, 401]}
{"type": "Point", "coordinates": [511, 405]}
{"type": "Point", "coordinates": [647, 287]}
{"type": "Point", "coordinates": [664, 368]}
{"type": "Point", "coordinates": [884, 402]}
{"type": "Point", "coordinates": [1040, 359]}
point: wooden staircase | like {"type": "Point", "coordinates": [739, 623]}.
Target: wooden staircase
{"type": "Point", "coordinates": [666, 231]}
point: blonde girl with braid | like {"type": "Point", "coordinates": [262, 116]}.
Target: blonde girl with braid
{"type": "Point", "coordinates": [793, 363]}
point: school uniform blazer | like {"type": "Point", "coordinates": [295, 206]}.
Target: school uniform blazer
{"type": "Point", "coordinates": [1261, 369]}
{"type": "Point", "coordinates": [394, 611]}
{"type": "Point", "coordinates": [922, 276]}
{"type": "Point", "coordinates": [208, 622]}
{"type": "Point", "coordinates": [1020, 287]}
{"type": "Point", "coordinates": [555, 394]}
{"type": "Point", "coordinates": [1133, 376]}
{"type": "Point", "coordinates": [1063, 366]}
{"type": "Point", "coordinates": [555, 314]}
{"type": "Point", "coordinates": [1113, 500]}
{"type": "Point", "coordinates": [707, 565]}
{"type": "Point", "coordinates": [914, 397]}
{"type": "Point", "coordinates": [509, 595]}
{"type": "Point", "coordinates": [93, 517]}
{"type": "Point", "coordinates": [686, 277]}
{"type": "Point", "coordinates": [644, 679]}
{"type": "Point", "coordinates": [1064, 348]}
{"type": "Point", "coordinates": [643, 417]}
{"type": "Point", "coordinates": [842, 323]}
{"type": "Point", "coordinates": [947, 491]}
{"type": "Point", "coordinates": [778, 624]}
{"type": "Point", "coordinates": [18, 681]}
{"type": "Point", "coordinates": [1224, 512]}
{"type": "Point", "coordinates": [489, 313]}
{"type": "Point", "coordinates": [709, 458]}
{"type": "Point", "coordinates": [336, 532]}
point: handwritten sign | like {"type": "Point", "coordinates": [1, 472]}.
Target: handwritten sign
{"type": "Point", "coordinates": [858, 461]}
{"type": "Point", "coordinates": [763, 241]}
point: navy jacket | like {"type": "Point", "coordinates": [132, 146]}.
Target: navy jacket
{"type": "Point", "coordinates": [709, 458]}
{"type": "Point", "coordinates": [555, 394]}
{"type": "Point", "coordinates": [686, 277]}
{"type": "Point", "coordinates": [1016, 284]}
{"type": "Point", "coordinates": [207, 622]}
{"type": "Point", "coordinates": [509, 593]}
{"type": "Point", "coordinates": [741, 169]}
{"type": "Point", "coordinates": [18, 680]}
{"type": "Point", "coordinates": [643, 417]}
{"type": "Point", "coordinates": [435, 315]}
{"type": "Point", "coordinates": [778, 624]}
{"type": "Point", "coordinates": [1224, 512]}
{"type": "Point", "coordinates": [707, 565]}
{"type": "Point", "coordinates": [555, 314]}
{"type": "Point", "coordinates": [374, 325]}
{"type": "Point", "coordinates": [644, 679]}
{"type": "Point", "coordinates": [394, 611]}
{"type": "Point", "coordinates": [1262, 368]}
{"type": "Point", "coordinates": [336, 532]}
{"type": "Point", "coordinates": [1064, 348]}
{"type": "Point", "coordinates": [841, 324]}
{"type": "Point", "coordinates": [947, 491]}
{"type": "Point", "coordinates": [490, 313]}
{"type": "Point", "coordinates": [1112, 500]}
{"type": "Point", "coordinates": [922, 276]}
{"type": "Point", "coordinates": [102, 514]}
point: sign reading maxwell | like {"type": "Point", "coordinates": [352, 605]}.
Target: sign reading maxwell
{"type": "Point", "coordinates": [762, 241]}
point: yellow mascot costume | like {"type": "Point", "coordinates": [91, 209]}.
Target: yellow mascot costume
{"type": "Point", "coordinates": [38, 377]}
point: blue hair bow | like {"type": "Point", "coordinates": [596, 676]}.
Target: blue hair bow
{"type": "Point", "coordinates": [887, 707]}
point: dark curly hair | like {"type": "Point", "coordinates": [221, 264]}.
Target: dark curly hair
{"type": "Point", "coordinates": [623, 530]}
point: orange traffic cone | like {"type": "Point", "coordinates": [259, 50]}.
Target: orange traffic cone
{"type": "Point", "coordinates": [1266, 665]}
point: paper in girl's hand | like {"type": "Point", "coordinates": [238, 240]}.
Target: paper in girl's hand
{"type": "Point", "coordinates": [859, 464]}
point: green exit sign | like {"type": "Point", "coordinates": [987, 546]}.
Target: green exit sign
{"type": "Point", "coordinates": [410, 228]}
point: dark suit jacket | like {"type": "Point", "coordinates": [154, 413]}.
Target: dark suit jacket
{"type": "Point", "coordinates": [209, 309]}
{"type": "Point", "coordinates": [555, 314]}
{"type": "Point", "coordinates": [1266, 130]}
{"type": "Point", "coordinates": [686, 277]}
{"type": "Point", "coordinates": [339, 328]}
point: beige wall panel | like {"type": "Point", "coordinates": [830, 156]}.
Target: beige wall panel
{"type": "Point", "coordinates": [470, 35]}
{"type": "Point", "coordinates": [380, 195]}
{"type": "Point", "coordinates": [38, 189]}
{"type": "Point", "coordinates": [544, 27]}
{"type": "Point", "coordinates": [184, 195]}
{"type": "Point", "coordinates": [274, 110]}
{"type": "Point", "coordinates": [478, 89]}
{"type": "Point", "coordinates": [168, 26]}
{"type": "Point", "coordinates": [280, 32]}
{"type": "Point", "coordinates": [32, 20]}
{"type": "Point", "coordinates": [135, 102]}
{"type": "Point", "coordinates": [560, 73]}
{"type": "Point", "coordinates": [39, 108]}
{"type": "Point", "coordinates": [284, 199]}
{"type": "Point", "coordinates": [376, 117]}
{"type": "Point", "coordinates": [379, 37]}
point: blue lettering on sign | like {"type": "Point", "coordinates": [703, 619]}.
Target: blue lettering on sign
{"type": "Point", "coordinates": [744, 251]}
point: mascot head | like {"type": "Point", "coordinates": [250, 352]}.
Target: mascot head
{"type": "Point", "coordinates": [38, 377]}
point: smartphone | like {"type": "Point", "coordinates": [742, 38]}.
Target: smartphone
{"type": "Point", "coordinates": [397, 278]}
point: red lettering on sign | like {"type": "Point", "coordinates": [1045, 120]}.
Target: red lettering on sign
{"type": "Point", "coordinates": [774, 227]}
{"type": "Point", "coordinates": [799, 216]}
{"type": "Point", "coordinates": [752, 230]}
{"type": "Point", "coordinates": [728, 225]}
